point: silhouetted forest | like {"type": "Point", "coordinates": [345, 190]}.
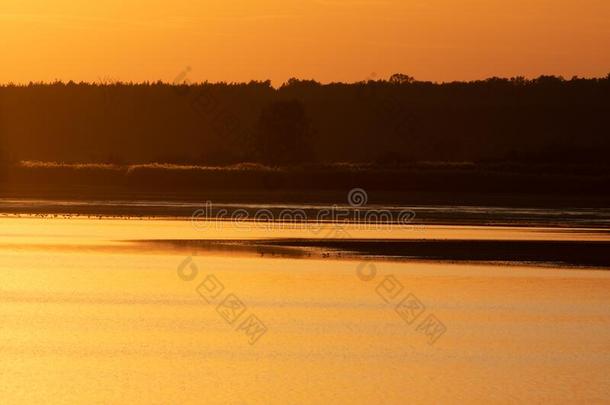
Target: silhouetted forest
{"type": "Point", "coordinates": [393, 122]}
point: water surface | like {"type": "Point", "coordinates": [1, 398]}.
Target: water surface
{"type": "Point", "coordinates": [90, 313]}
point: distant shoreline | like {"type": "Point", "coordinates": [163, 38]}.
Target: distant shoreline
{"type": "Point", "coordinates": [573, 254]}
{"type": "Point", "coordinates": [321, 214]}
{"type": "Point", "coordinates": [496, 185]}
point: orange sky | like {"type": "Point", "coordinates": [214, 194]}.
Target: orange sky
{"type": "Point", "coordinates": [329, 40]}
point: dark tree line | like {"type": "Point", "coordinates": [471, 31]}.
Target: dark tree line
{"type": "Point", "coordinates": [400, 120]}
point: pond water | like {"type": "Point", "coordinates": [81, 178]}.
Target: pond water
{"type": "Point", "coordinates": [94, 311]}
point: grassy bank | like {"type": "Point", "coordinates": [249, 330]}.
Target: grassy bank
{"type": "Point", "coordinates": [415, 183]}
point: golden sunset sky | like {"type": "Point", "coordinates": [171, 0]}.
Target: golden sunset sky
{"type": "Point", "coordinates": [329, 40]}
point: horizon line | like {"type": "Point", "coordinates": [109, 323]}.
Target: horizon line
{"type": "Point", "coordinates": [110, 81]}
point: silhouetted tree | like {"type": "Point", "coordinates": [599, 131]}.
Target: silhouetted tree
{"type": "Point", "coordinates": [283, 134]}
{"type": "Point", "coordinates": [211, 123]}
{"type": "Point", "coordinates": [399, 78]}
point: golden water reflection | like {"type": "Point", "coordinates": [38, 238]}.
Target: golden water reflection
{"type": "Point", "coordinates": [120, 326]}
